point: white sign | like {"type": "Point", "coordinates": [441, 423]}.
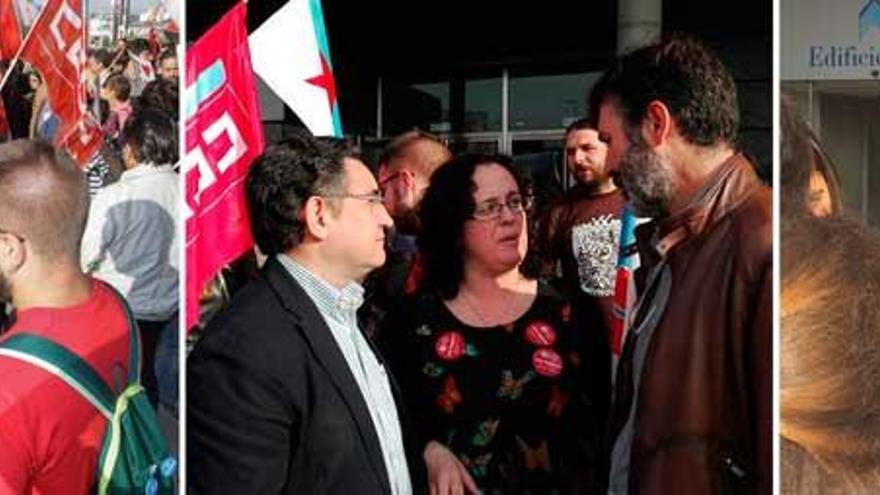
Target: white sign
{"type": "Point", "coordinates": [824, 39]}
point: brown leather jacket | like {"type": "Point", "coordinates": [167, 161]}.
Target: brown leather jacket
{"type": "Point", "coordinates": [703, 417]}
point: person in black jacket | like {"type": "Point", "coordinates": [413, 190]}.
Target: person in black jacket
{"type": "Point", "coordinates": [286, 395]}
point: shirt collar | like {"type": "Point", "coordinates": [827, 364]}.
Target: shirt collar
{"type": "Point", "coordinates": [142, 169]}
{"type": "Point", "coordinates": [340, 303]}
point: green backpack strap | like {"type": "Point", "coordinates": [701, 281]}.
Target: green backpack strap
{"type": "Point", "coordinates": [72, 369]}
{"type": "Point", "coordinates": [134, 455]}
{"type": "Point", "coordinates": [67, 366]}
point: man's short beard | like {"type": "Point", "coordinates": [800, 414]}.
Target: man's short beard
{"type": "Point", "coordinates": [589, 186]}
{"type": "Point", "coordinates": [408, 222]}
{"type": "Point", "coordinates": [5, 291]}
{"type": "Point", "coordinates": [646, 180]}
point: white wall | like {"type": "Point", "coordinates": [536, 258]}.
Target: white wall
{"type": "Point", "coordinates": [820, 40]}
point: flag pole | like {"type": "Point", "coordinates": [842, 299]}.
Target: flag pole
{"type": "Point", "coordinates": [82, 91]}
{"type": "Point", "coordinates": [22, 45]}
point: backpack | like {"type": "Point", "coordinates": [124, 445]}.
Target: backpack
{"type": "Point", "coordinates": [134, 457]}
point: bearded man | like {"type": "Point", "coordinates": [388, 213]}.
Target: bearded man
{"type": "Point", "coordinates": [692, 403]}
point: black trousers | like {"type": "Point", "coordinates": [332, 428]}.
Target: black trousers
{"type": "Point", "coordinates": [150, 331]}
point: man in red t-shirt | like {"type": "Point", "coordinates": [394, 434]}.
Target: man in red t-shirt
{"type": "Point", "coordinates": [50, 435]}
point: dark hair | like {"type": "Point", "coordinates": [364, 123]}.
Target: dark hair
{"type": "Point", "coordinates": [801, 155]}
{"type": "Point", "coordinates": [43, 197]}
{"type": "Point", "coordinates": [165, 55]}
{"type": "Point", "coordinates": [121, 58]}
{"type": "Point", "coordinates": [152, 136]}
{"type": "Point", "coordinates": [447, 204]}
{"type": "Point", "coordinates": [685, 76]}
{"type": "Point", "coordinates": [138, 45]}
{"type": "Point", "coordinates": [580, 125]}
{"type": "Point", "coordinates": [103, 56]}
{"type": "Point", "coordinates": [283, 178]}
{"type": "Point", "coordinates": [34, 73]}
{"type": "Point", "coordinates": [830, 346]}
{"type": "Point", "coordinates": [119, 85]}
{"type": "Point", "coordinates": [161, 94]}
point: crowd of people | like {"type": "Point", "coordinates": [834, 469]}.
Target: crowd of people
{"type": "Point", "coordinates": [431, 358]}
{"type": "Point", "coordinates": [420, 326]}
{"type": "Point", "coordinates": [90, 254]}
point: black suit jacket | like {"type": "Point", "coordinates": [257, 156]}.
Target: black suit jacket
{"type": "Point", "coordinates": [272, 406]}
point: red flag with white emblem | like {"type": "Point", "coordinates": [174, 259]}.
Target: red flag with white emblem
{"type": "Point", "coordinates": [55, 47]}
{"type": "Point", "coordinates": [224, 133]}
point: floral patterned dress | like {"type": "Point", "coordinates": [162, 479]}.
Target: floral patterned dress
{"type": "Point", "coordinates": [506, 400]}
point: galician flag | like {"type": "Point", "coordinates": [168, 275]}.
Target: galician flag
{"type": "Point", "coordinates": [290, 53]}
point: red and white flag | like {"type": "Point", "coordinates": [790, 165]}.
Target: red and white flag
{"type": "Point", "coordinates": [292, 56]}
{"type": "Point", "coordinates": [224, 133]}
{"type": "Point", "coordinates": [55, 47]}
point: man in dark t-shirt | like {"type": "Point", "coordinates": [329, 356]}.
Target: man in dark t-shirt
{"type": "Point", "coordinates": [578, 235]}
{"type": "Point", "coordinates": [577, 245]}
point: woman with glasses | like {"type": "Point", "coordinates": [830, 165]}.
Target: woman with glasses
{"type": "Point", "coordinates": [483, 353]}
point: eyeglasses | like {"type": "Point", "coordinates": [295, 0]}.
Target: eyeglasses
{"type": "Point", "coordinates": [387, 180]}
{"type": "Point", "coordinates": [491, 209]}
{"type": "Point", "coordinates": [374, 198]}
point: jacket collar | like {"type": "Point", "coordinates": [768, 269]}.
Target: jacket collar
{"type": "Point", "coordinates": [316, 332]}
{"type": "Point", "coordinates": [723, 191]}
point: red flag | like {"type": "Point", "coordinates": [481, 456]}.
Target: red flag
{"type": "Point", "coordinates": [155, 45]}
{"type": "Point", "coordinates": [55, 47]}
{"type": "Point", "coordinates": [10, 30]}
{"type": "Point", "coordinates": [224, 134]}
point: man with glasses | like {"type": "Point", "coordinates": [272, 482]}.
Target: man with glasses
{"type": "Point", "coordinates": [285, 393]}
{"type": "Point", "coordinates": [693, 393]}
{"type": "Point", "coordinates": [49, 433]}
{"type": "Point", "coordinates": [405, 170]}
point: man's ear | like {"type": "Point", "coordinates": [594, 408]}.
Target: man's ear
{"type": "Point", "coordinates": [657, 124]}
{"type": "Point", "coordinates": [12, 253]}
{"type": "Point", "coordinates": [315, 213]}
{"type": "Point", "coordinates": [408, 178]}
